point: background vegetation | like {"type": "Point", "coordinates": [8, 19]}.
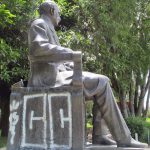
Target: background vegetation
{"type": "Point", "coordinates": [114, 37]}
{"type": "Point", "coordinates": [140, 126]}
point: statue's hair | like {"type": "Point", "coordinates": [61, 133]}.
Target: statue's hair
{"type": "Point", "coordinates": [47, 7]}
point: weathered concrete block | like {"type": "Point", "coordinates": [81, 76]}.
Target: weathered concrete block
{"type": "Point", "coordinates": [46, 118]}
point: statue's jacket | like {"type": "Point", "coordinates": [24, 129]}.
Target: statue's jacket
{"type": "Point", "coordinates": [43, 41]}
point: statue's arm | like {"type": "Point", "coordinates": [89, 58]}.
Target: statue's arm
{"type": "Point", "coordinates": [39, 42]}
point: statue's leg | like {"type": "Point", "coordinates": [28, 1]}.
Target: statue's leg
{"type": "Point", "coordinates": [101, 134]}
{"type": "Point", "coordinates": [112, 115]}
{"type": "Point", "coordinates": [99, 126]}
{"type": "Point", "coordinates": [99, 87]}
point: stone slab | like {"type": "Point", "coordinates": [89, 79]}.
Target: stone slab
{"type": "Point", "coordinates": [97, 147]}
{"type": "Point", "coordinates": [103, 148]}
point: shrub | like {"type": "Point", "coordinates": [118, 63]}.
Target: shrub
{"type": "Point", "coordinates": [148, 113]}
{"type": "Point", "coordinates": [147, 125]}
{"type": "Point", "coordinates": [148, 122]}
{"type": "Point", "coordinates": [137, 125]}
{"type": "Point", "coordinates": [3, 141]}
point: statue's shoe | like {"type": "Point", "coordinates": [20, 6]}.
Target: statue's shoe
{"type": "Point", "coordinates": [103, 140]}
{"type": "Point", "coordinates": [133, 143]}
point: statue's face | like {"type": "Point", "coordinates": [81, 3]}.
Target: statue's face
{"type": "Point", "coordinates": [56, 16]}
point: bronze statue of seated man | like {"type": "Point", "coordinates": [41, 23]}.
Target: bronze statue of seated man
{"type": "Point", "coordinates": [44, 42]}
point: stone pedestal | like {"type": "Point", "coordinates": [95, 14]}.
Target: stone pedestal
{"type": "Point", "coordinates": [46, 119]}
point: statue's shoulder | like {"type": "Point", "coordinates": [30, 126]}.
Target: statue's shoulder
{"type": "Point", "coordinates": [38, 21]}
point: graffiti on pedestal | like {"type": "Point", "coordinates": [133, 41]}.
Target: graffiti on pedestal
{"type": "Point", "coordinates": [34, 118]}
{"type": "Point", "coordinates": [47, 126]}
{"type": "Point", "coordinates": [13, 119]}
{"type": "Point", "coordinates": [60, 128]}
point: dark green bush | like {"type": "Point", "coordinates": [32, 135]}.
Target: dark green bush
{"type": "Point", "coordinates": [147, 125]}
{"type": "Point", "coordinates": [3, 141]}
{"type": "Point", "coordinates": [138, 125]}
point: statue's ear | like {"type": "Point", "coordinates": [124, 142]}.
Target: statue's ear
{"type": "Point", "coordinates": [51, 11]}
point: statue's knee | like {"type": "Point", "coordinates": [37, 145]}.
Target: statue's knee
{"type": "Point", "coordinates": [104, 79]}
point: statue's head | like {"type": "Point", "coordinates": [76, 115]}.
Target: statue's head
{"type": "Point", "coordinates": [50, 9]}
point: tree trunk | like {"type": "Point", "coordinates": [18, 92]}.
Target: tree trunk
{"type": "Point", "coordinates": [144, 89]}
{"type": "Point", "coordinates": [147, 103]}
{"type": "Point", "coordinates": [136, 96]}
{"type": "Point", "coordinates": [131, 99]}
{"type": "Point", "coordinates": [122, 97]}
{"type": "Point", "coordinates": [141, 101]}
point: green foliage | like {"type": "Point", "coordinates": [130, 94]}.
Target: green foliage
{"type": "Point", "coordinates": [17, 15]}
{"type": "Point", "coordinates": [147, 123]}
{"type": "Point", "coordinates": [11, 63]}
{"type": "Point", "coordinates": [89, 106]}
{"type": "Point", "coordinates": [8, 56]}
{"type": "Point", "coordinates": [114, 39]}
{"type": "Point", "coordinates": [5, 16]}
{"type": "Point", "coordinates": [148, 120]}
{"type": "Point", "coordinates": [89, 118]}
{"type": "Point", "coordinates": [67, 8]}
{"type": "Point", "coordinates": [138, 125]}
{"type": "Point", "coordinates": [148, 113]}
{"type": "Point", "coordinates": [3, 141]}
{"type": "Point", "coordinates": [24, 10]}
{"type": "Point", "coordinates": [89, 124]}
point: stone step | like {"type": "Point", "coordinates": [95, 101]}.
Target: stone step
{"type": "Point", "coordinates": [91, 147]}
{"type": "Point", "coordinates": [97, 147]}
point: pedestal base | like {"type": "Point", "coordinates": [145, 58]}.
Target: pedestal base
{"type": "Point", "coordinates": [101, 147]}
